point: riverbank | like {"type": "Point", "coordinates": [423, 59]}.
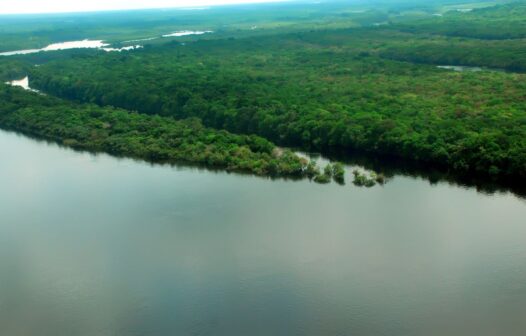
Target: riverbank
{"type": "Point", "coordinates": [152, 138]}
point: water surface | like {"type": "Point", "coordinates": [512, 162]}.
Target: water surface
{"type": "Point", "coordinates": [187, 33]}
{"type": "Point", "coordinates": [94, 245]}
{"type": "Point", "coordinates": [23, 83]}
{"type": "Point", "coordinates": [463, 68]}
{"type": "Point", "coordinates": [84, 44]}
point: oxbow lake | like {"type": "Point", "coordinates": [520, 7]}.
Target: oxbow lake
{"type": "Point", "coordinates": [95, 245]}
{"type": "Point", "coordinates": [100, 44]}
{"type": "Point", "coordinates": [84, 44]}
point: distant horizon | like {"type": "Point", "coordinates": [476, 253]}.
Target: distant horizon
{"type": "Point", "coordinates": [32, 7]}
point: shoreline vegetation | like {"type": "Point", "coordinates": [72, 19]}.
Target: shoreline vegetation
{"type": "Point", "coordinates": [413, 112]}
{"type": "Point", "coordinates": [158, 139]}
{"type": "Point", "coordinates": [227, 100]}
{"type": "Point", "coordinates": [368, 180]}
{"type": "Point", "coordinates": [151, 138]}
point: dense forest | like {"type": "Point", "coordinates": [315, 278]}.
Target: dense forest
{"type": "Point", "coordinates": [509, 55]}
{"type": "Point", "coordinates": [493, 22]}
{"type": "Point", "coordinates": [157, 139]}
{"type": "Point", "coordinates": [356, 87]}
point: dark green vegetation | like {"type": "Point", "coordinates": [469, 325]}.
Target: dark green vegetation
{"type": "Point", "coordinates": [36, 31]}
{"type": "Point", "coordinates": [362, 180]}
{"type": "Point", "coordinates": [371, 89]}
{"type": "Point", "coordinates": [158, 139]}
{"type": "Point", "coordinates": [338, 173]}
{"type": "Point", "coordinates": [501, 55]}
{"type": "Point", "coordinates": [367, 180]}
{"type": "Point", "coordinates": [494, 23]}
{"type": "Point", "coordinates": [12, 69]}
{"type": "Point", "coordinates": [326, 176]}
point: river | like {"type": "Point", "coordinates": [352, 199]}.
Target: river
{"type": "Point", "coordinates": [96, 245]}
{"type": "Point", "coordinates": [84, 44]}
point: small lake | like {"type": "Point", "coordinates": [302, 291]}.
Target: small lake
{"type": "Point", "coordinates": [187, 33]}
{"type": "Point", "coordinates": [84, 44]}
{"type": "Point", "coordinates": [460, 68]}
{"type": "Point", "coordinates": [100, 44]}
{"type": "Point", "coordinates": [23, 83]}
{"type": "Point", "coordinates": [174, 34]}
{"type": "Point", "coordinates": [95, 245]}
{"type": "Point", "coordinates": [463, 68]}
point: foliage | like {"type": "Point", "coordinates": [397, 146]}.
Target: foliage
{"type": "Point", "coordinates": [338, 173]}
{"type": "Point", "coordinates": [312, 169]}
{"type": "Point", "coordinates": [316, 90]}
{"type": "Point", "coordinates": [157, 139]}
{"type": "Point", "coordinates": [362, 180]}
{"type": "Point", "coordinates": [501, 22]}
{"type": "Point", "coordinates": [322, 178]}
{"type": "Point", "coordinates": [305, 84]}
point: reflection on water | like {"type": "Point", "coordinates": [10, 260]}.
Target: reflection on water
{"type": "Point", "coordinates": [459, 68]}
{"type": "Point", "coordinates": [23, 83]}
{"type": "Point", "coordinates": [463, 68]}
{"type": "Point", "coordinates": [99, 44]}
{"type": "Point", "coordinates": [187, 33]}
{"type": "Point", "coordinates": [94, 44]}
{"type": "Point", "coordinates": [175, 34]}
{"type": "Point", "coordinates": [59, 46]}
{"type": "Point", "coordinates": [93, 245]}
{"type": "Point", "coordinates": [133, 47]}
{"type": "Point", "coordinates": [391, 166]}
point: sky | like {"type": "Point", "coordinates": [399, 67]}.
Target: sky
{"type": "Point", "coordinates": [56, 6]}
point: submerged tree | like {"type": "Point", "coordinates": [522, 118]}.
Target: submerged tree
{"type": "Point", "coordinates": [338, 173]}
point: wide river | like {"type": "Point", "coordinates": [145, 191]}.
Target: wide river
{"type": "Point", "coordinates": [95, 245]}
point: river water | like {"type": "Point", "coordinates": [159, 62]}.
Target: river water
{"type": "Point", "coordinates": [95, 245]}
{"type": "Point", "coordinates": [84, 44]}
{"type": "Point", "coordinates": [100, 44]}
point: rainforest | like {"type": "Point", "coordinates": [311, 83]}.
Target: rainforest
{"type": "Point", "coordinates": [361, 87]}
{"type": "Point", "coordinates": [253, 168]}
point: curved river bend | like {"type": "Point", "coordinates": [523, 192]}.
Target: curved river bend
{"type": "Point", "coordinates": [94, 245]}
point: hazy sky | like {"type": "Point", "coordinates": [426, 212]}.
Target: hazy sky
{"type": "Point", "coordinates": [51, 6]}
